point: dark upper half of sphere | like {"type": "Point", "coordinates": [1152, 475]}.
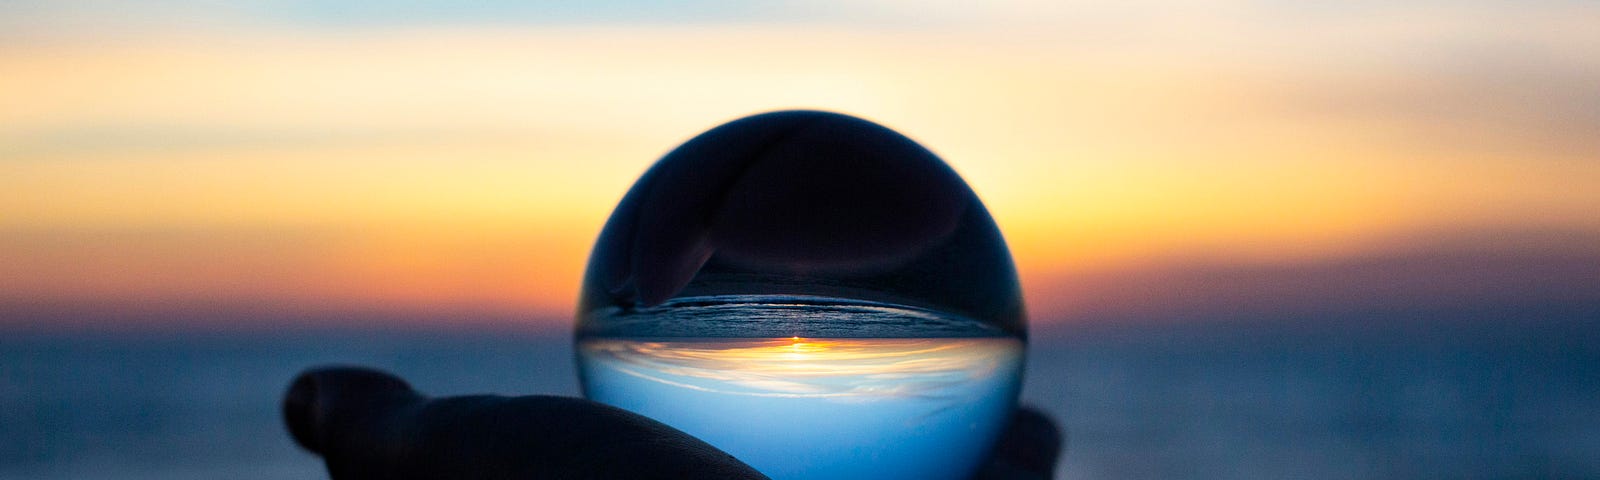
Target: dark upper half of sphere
{"type": "Point", "coordinates": [804, 203]}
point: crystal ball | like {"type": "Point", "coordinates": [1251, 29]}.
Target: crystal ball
{"type": "Point", "coordinates": [813, 293]}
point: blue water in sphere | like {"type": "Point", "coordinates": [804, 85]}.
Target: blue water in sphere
{"type": "Point", "coordinates": [813, 293]}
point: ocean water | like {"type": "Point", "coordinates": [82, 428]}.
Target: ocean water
{"type": "Point", "coordinates": [1502, 401]}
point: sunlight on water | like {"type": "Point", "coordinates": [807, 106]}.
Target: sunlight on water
{"type": "Point", "coordinates": [819, 407]}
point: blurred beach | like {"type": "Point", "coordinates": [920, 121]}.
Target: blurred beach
{"type": "Point", "coordinates": [1411, 400]}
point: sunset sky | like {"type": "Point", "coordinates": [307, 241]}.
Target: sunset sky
{"type": "Point", "coordinates": [314, 162]}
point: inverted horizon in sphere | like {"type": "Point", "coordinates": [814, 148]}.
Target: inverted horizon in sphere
{"type": "Point", "coordinates": [836, 408]}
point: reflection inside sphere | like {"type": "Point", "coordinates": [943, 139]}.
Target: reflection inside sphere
{"type": "Point", "coordinates": [802, 407]}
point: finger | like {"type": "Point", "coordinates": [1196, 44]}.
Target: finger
{"type": "Point", "coordinates": [325, 406]}
{"type": "Point", "coordinates": [368, 425]}
{"type": "Point", "coordinates": [1028, 449]}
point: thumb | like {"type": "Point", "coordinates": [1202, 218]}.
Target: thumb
{"type": "Point", "coordinates": [353, 417]}
{"type": "Point", "coordinates": [368, 424]}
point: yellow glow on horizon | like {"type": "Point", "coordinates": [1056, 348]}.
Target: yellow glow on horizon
{"type": "Point", "coordinates": [436, 168]}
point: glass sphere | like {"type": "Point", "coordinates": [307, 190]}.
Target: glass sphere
{"type": "Point", "coordinates": [813, 293]}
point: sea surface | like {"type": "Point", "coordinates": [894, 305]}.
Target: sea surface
{"type": "Point", "coordinates": [1196, 401]}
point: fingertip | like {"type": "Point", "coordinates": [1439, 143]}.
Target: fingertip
{"type": "Point", "coordinates": [1028, 449]}
{"type": "Point", "coordinates": [1035, 439]}
{"type": "Point", "coordinates": [299, 411]}
{"type": "Point", "coordinates": [317, 394]}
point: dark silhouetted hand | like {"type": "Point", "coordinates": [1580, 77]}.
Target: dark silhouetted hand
{"type": "Point", "coordinates": [368, 424]}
